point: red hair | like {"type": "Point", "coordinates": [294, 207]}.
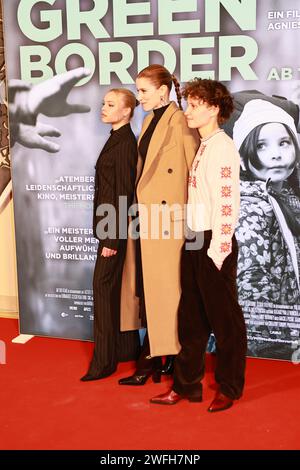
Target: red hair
{"type": "Point", "coordinates": [159, 75]}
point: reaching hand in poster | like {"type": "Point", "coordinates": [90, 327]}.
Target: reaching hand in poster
{"type": "Point", "coordinates": [50, 97]}
{"type": "Point", "coordinates": [33, 136]}
{"type": "Point", "coordinates": [27, 101]}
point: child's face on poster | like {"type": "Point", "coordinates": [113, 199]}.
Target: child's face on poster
{"type": "Point", "coordinates": [276, 153]}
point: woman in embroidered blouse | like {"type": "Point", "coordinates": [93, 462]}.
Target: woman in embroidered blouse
{"type": "Point", "coordinates": [208, 300]}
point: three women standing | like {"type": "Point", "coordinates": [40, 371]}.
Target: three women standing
{"type": "Point", "coordinates": [166, 149]}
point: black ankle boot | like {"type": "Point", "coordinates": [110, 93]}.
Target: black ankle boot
{"type": "Point", "coordinates": [141, 379]}
{"type": "Point", "coordinates": [151, 367]}
{"type": "Point", "coordinates": [168, 367]}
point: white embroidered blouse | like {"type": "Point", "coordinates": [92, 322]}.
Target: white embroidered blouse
{"type": "Point", "coordinates": [214, 193]}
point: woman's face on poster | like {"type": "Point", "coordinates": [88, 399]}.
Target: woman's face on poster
{"type": "Point", "coordinates": [276, 153]}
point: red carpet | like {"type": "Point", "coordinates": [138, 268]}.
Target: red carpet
{"type": "Point", "coordinates": [43, 405]}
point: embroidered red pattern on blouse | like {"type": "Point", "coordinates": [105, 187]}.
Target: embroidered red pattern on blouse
{"type": "Point", "coordinates": [226, 191]}
{"type": "Point", "coordinates": [226, 210]}
{"type": "Point", "coordinates": [226, 172]}
{"type": "Point", "coordinates": [202, 148]}
{"type": "Point", "coordinates": [226, 229]}
{"type": "Point", "coordinates": [225, 247]}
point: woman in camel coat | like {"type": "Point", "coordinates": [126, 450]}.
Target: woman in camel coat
{"type": "Point", "coordinates": [166, 150]}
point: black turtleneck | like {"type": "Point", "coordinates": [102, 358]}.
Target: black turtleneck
{"type": "Point", "coordinates": [145, 140]}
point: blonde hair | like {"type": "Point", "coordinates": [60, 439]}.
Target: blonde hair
{"type": "Point", "coordinates": [129, 98]}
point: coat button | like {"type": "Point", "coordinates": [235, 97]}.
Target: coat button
{"type": "Point", "coordinates": [164, 202]}
{"type": "Point", "coordinates": [166, 232]}
{"type": "Point", "coordinates": [170, 170]}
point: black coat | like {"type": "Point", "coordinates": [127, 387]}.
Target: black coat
{"type": "Point", "coordinates": [115, 176]}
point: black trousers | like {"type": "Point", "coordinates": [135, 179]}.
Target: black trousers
{"type": "Point", "coordinates": [111, 345]}
{"type": "Point", "coordinates": [209, 304]}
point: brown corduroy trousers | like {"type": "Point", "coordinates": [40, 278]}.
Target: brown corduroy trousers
{"type": "Point", "coordinates": [209, 304]}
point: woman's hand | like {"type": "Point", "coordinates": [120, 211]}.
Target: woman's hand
{"type": "Point", "coordinates": [106, 252]}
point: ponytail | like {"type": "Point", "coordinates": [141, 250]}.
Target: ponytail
{"type": "Point", "coordinates": [177, 90]}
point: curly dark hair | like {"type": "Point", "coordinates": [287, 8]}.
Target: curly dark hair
{"type": "Point", "coordinates": [213, 93]}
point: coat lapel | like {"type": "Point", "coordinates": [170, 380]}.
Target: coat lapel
{"type": "Point", "coordinates": [157, 139]}
{"type": "Point", "coordinates": [111, 142]}
{"type": "Point", "coordinates": [114, 139]}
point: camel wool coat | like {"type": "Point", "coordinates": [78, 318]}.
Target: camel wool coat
{"type": "Point", "coordinates": [163, 183]}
